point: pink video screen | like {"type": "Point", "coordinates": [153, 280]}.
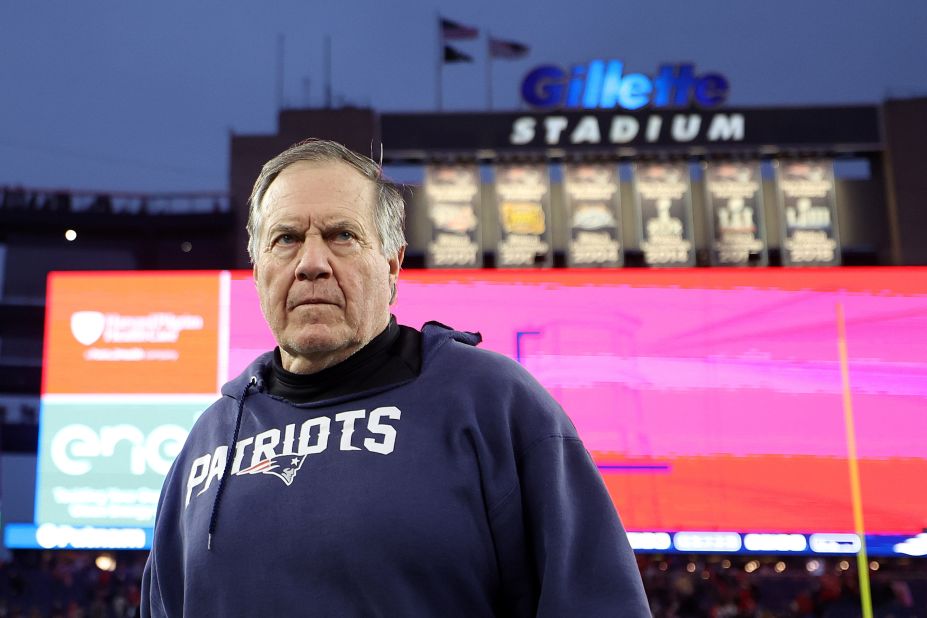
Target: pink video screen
{"type": "Point", "coordinates": [711, 399]}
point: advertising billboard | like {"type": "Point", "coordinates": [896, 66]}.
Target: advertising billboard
{"type": "Point", "coordinates": [716, 402]}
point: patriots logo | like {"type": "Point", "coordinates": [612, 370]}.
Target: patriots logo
{"type": "Point", "coordinates": [284, 467]}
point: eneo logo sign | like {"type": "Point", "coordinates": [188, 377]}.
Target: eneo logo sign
{"type": "Point", "coordinates": [132, 333]}
{"type": "Point", "coordinates": [102, 462]}
{"type": "Point", "coordinates": [603, 84]}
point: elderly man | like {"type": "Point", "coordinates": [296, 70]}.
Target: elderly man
{"type": "Point", "coordinates": [364, 468]}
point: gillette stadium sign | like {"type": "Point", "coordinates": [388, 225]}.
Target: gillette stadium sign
{"type": "Point", "coordinates": [604, 84]}
{"type": "Point", "coordinates": [577, 97]}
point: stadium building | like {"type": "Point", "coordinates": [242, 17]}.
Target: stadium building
{"type": "Point", "coordinates": [609, 206]}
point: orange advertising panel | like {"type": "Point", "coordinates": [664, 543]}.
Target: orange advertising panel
{"type": "Point", "coordinates": [131, 332]}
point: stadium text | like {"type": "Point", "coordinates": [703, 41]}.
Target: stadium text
{"type": "Point", "coordinates": [622, 129]}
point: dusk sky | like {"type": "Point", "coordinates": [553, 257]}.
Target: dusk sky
{"type": "Point", "coordinates": [129, 96]}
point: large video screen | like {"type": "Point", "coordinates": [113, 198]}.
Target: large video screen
{"type": "Point", "coordinates": [714, 401]}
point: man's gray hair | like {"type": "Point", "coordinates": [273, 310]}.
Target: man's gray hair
{"type": "Point", "coordinates": [389, 210]}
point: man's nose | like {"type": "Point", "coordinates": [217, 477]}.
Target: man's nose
{"type": "Point", "coordinates": [314, 259]}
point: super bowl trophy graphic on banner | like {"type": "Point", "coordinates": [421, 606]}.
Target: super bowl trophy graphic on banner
{"type": "Point", "coordinates": [734, 192]}
{"type": "Point", "coordinates": [594, 214]}
{"type": "Point", "coordinates": [523, 204]}
{"type": "Point", "coordinates": [453, 196]}
{"type": "Point", "coordinates": [664, 213]}
{"type": "Point", "coordinates": [808, 214]}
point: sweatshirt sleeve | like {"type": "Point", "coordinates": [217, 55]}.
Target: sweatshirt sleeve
{"type": "Point", "coordinates": [162, 579]}
{"type": "Point", "coordinates": [561, 548]}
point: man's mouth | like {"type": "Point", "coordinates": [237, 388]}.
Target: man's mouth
{"type": "Point", "coordinates": [311, 302]}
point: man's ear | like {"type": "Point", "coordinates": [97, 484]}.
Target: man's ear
{"type": "Point", "coordinates": [395, 264]}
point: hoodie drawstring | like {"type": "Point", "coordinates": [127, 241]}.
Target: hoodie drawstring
{"type": "Point", "coordinates": [213, 518]}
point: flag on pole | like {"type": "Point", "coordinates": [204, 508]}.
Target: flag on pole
{"type": "Point", "coordinates": [455, 55]}
{"type": "Point", "coordinates": [450, 31]}
{"type": "Point", "coordinates": [455, 31]}
{"type": "Point", "coordinates": [499, 48]}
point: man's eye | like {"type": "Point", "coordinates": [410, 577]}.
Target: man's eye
{"type": "Point", "coordinates": [344, 236]}
{"type": "Point", "coordinates": [284, 239]}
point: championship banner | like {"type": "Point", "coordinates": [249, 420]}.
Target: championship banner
{"type": "Point", "coordinates": [523, 204]}
{"type": "Point", "coordinates": [453, 196]}
{"type": "Point", "coordinates": [735, 207]}
{"type": "Point", "coordinates": [664, 213]}
{"type": "Point", "coordinates": [594, 209]}
{"type": "Point", "coordinates": [807, 212]}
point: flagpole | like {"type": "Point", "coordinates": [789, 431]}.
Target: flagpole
{"type": "Point", "coordinates": [489, 70]}
{"type": "Point", "coordinates": [327, 53]}
{"type": "Point", "coordinates": [281, 53]}
{"type": "Point", "coordinates": [440, 57]}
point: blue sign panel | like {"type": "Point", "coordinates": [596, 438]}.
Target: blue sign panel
{"type": "Point", "coordinates": [603, 84]}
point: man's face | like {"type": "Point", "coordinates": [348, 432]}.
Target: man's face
{"type": "Point", "coordinates": [324, 284]}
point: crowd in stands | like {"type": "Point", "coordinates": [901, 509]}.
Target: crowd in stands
{"type": "Point", "coordinates": [70, 584]}
{"type": "Point", "coordinates": [734, 587]}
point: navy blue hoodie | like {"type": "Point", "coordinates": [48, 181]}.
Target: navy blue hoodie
{"type": "Point", "coordinates": [462, 492]}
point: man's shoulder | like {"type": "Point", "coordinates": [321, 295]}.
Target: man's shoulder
{"type": "Point", "coordinates": [457, 359]}
{"type": "Point", "coordinates": [456, 347]}
{"type": "Point", "coordinates": [504, 397]}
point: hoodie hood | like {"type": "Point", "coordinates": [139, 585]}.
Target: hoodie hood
{"type": "Point", "coordinates": [257, 370]}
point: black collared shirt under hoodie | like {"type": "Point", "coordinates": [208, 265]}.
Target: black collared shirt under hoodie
{"type": "Point", "coordinates": [392, 357]}
{"type": "Point", "coordinates": [458, 489]}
